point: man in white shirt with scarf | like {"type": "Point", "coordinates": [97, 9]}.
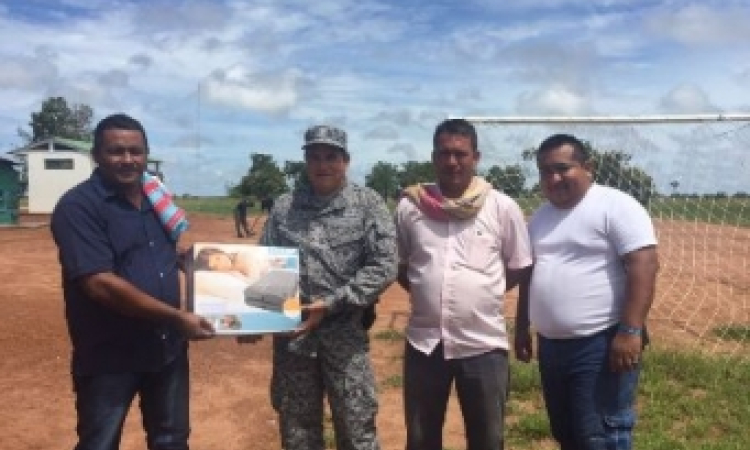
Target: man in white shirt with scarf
{"type": "Point", "coordinates": [462, 245]}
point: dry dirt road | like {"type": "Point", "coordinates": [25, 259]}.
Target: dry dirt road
{"type": "Point", "coordinates": [704, 281]}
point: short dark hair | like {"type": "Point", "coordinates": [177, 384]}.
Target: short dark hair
{"type": "Point", "coordinates": [461, 127]}
{"type": "Point", "coordinates": [202, 258]}
{"type": "Point", "coordinates": [581, 152]}
{"type": "Point", "coordinates": [117, 121]}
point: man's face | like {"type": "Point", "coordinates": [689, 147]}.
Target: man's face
{"type": "Point", "coordinates": [455, 163]}
{"type": "Point", "coordinates": [122, 158]}
{"type": "Point", "coordinates": [564, 180]}
{"type": "Point", "coordinates": [326, 168]}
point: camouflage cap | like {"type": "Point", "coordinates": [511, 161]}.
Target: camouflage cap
{"type": "Point", "coordinates": [326, 135]}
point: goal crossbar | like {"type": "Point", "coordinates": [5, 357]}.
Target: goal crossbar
{"type": "Point", "coordinates": [652, 119]}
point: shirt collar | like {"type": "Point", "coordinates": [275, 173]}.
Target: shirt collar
{"type": "Point", "coordinates": [105, 190]}
{"type": "Point", "coordinates": [309, 200]}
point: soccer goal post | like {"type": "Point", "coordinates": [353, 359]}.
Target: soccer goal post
{"type": "Point", "coordinates": [693, 174]}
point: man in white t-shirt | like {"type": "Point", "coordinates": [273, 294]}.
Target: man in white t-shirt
{"type": "Point", "coordinates": [595, 265]}
{"type": "Point", "coordinates": [462, 244]}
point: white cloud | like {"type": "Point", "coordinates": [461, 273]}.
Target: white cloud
{"type": "Point", "coordinates": [114, 78]}
{"type": "Point", "coordinates": [687, 99]}
{"type": "Point", "coordinates": [27, 73]}
{"type": "Point", "coordinates": [395, 116]}
{"type": "Point", "coordinates": [699, 24]}
{"type": "Point", "coordinates": [537, 5]}
{"type": "Point", "coordinates": [384, 132]}
{"type": "Point", "coordinates": [743, 76]}
{"type": "Point", "coordinates": [163, 18]}
{"type": "Point", "coordinates": [552, 101]}
{"type": "Point", "coordinates": [192, 141]}
{"type": "Point", "coordinates": [270, 93]}
{"type": "Point", "coordinates": [407, 150]}
{"type": "Point", "coordinates": [223, 78]}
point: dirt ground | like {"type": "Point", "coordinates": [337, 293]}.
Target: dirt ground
{"type": "Point", "coordinates": [704, 281]}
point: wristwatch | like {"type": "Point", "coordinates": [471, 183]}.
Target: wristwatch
{"type": "Point", "coordinates": [625, 329]}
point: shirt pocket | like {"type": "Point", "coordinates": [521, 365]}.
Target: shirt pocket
{"type": "Point", "coordinates": [128, 240]}
{"type": "Point", "coordinates": [482, 249]}
{"type": "Point", "coordinates": [346, 243]}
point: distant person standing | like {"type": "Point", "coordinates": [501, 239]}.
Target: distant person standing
{"type": "Point", "coordinates": [118, 253]}
{"type": "Point", "coordinates": [266, 204]}
{"type": "Point", "coordinates": [462, 246]}
{"type": "Point", "coordinates": [595, 265]}
{"type": "Point", "coordinates": [240, 218]}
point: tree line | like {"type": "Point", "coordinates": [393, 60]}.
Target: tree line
{"type": "Point", "coordinates": [264, 177]}
{"type": "Point", "coordinates": [612, 168]}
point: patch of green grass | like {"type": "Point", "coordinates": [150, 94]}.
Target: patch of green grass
{"type": "Point", "coordinates": [221, 206]}
{"type": "Point", "coordinates": [686, 401]}
{"type": "Point", "coordinates": [696, 400]}
{"type": "Point", "coordinates": [534, 427]}
{"type": "Point", "coordinates": [739, 333]}
{"type": "Point", "coordinates": [389, 335]}
{"type": "Point", "coordinates": [526, 418]}
{"type": "Point", "coordinates": [393, 381]}
{"type": "Point", "coordinates": [329, 438]}
{"type": "Point", "coordinates": [726, 211]}
{"type": "Point", "coordinates": [525, 381]}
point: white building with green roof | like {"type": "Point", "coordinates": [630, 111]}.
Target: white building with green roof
{"type": "Point", "coordinates": [51, 166]}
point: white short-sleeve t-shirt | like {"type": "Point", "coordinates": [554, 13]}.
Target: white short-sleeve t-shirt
{"type": "Point", "coordinates": [578, 284]}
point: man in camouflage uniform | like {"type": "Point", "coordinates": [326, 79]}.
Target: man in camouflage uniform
{"type": "Point", "coordinates": [347, 245]}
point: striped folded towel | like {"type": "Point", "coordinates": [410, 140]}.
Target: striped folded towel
{"type": "Point", "coordinates": [172, 218]}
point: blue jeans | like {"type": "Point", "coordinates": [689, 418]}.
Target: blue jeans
{"type": "Point", "coordinates": [589, 406]}
{"type": "Point", "coordinates": [103, 401]}
{"type": "Point", "coordinates": [481, 386]}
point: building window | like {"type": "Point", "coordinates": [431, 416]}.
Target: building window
{"type": "Point", "coordinates": [58, 164]}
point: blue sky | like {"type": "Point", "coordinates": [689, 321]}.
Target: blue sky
{"type": "Point", "coordinates": [214, 80]}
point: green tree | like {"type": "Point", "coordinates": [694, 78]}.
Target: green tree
{"type": "Point", "coordinates": [384, 178]}
{"type": "Point", "coordinates": [58, 119]}
{"type": "Point", "coordinates": [413, 172]}
{"type": "Point", "coordinates": [613, 168]}
{"type": "Point", "coordinates": [264, 178]}
{"type": "Point", "coordinates": [295, 174]}
{"type": "Point", "coordinates": [509, 179]}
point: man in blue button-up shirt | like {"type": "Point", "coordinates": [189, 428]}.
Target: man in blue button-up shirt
{"type": "Point", "coordinates": [122, 298]}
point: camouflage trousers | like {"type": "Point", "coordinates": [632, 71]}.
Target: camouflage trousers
{"type": "Point", "coordinates": [299, 384]}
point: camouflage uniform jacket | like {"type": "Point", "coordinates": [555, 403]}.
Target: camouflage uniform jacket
{"type": "Point", "coordinates": [348, 256]}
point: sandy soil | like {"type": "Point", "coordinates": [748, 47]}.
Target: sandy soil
{"type": "Point", "coordinates": [704, 281]}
